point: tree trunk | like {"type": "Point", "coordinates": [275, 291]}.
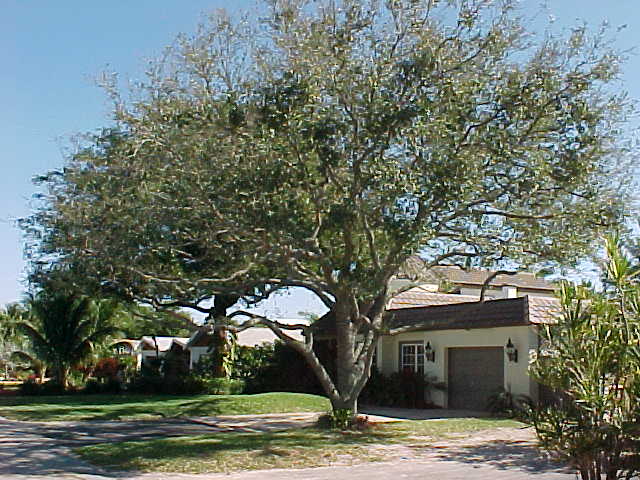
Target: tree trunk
{"type": "Point", "coordinates": [353, 367]}
{"type": "Point", "coordinates": [220, 347]}
{"type": "Point", "coordinates": [345, 360]}
{"type": "Point", "coordinates": [220, 332]}
{"type": "Point", "coordinates": [353, 354]}
{"type": "Point", "coordinates": [155, 343]}
{"type": "Point", "coordinates": [63, 376]}
{"type": "Point", "coordinates": [348, 404]}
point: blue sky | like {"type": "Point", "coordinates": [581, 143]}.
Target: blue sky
{"type": "Point", "coordinates": [52, 51]}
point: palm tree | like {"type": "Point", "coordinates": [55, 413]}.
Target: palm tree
{"type": "Point", "coordinates": [64, 329]}
{"type": "Point", "coordinates": [10, 341]}
{"type": "Point", "coordinates": [27, 361]}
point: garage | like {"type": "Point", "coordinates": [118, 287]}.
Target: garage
{"type": "Point", "coordinates": [475, 373]}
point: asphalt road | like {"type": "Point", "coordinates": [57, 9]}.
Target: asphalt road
{"type": "Point", "coordinates": [42, 451]}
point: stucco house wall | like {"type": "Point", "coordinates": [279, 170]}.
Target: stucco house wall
{"type": "Point", "coordinates": [145, 355]}
{"type": "Point", "coordinates": [516, 378]}
{"type": "Point", "coordinates": [129, 348]}
{"type": "Point", "coordinates": [504, 292]}
{"type": "Point", "coordinates": [196, 354]}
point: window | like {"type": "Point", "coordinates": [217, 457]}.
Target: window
{"type": "Point", "coordinates": [121, 350]}
{"type": "Point", "coordinates": [412, 357]}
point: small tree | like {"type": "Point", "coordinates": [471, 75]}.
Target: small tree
{"type": "Point", "coordinates": [64, 329]}
{"type": "Point", "coordinates": [592, 359]}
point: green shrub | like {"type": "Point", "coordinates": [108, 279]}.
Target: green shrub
{"type": "Point", "coordinates": [250, 360]}
{"type": "Point", "coordinates": [341, 418]}
{"type": "Point", "coordinates": [30, 387]}
{"type": "Point", "coordinates": [146, 383]}
{"type": "Point", "coordinates": [591, 356]}
{"type": "Point", "coordinates": [408, 389]}
{"type": "Point", "coordinates": [92, 387]}
{"type": "Point", "coordinates": [112, 385]}
{"type": "Point", "coordinates": [276, 368]}
{"type": "Point", "coordinates": [505, 404]}
{"type": "Point", "coordinates": [224, 386]}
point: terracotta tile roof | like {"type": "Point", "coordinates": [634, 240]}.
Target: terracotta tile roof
{"type": "Point", "coordinates": [259, 335]}
{"type": "Point", "coordinates": [450, 311]}
{"type": "Point", "coordinates": [414, 269]}
{"type": "Point", "coordinates": [466, 315]}
{"type": "Point", "coordinates": [478, 277]}
{"type": "Point", "coordinates": [249, 337]}
{"type": "Point", "coordinates": [419, 297]}
{"type": "Point", "coordinates": [544, 310]}
{"type": "Point", "coordinates": [181, 341]}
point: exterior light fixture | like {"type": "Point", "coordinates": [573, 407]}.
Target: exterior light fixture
{"type": "Point", "coordinates": [511, 351]}
{"type": "Point", "coordinates": [429, 353]}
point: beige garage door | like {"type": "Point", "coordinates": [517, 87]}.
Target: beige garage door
{"type": "Point", "coordinates": [474, 375]}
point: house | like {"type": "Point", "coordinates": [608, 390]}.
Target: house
{"type": "Point", "coordinates": [453, 279]}
{"type": "Point", "coordinates": [475, 348]}
{"type": "Point", "coordinates": [439, 328]}
{"type": "Point", "coordinates": [148, 347]}
{"type": "Point", "coordinates": [200, 343]}
{"type": "Point", "coordinates": [192, 348]}
{"type": "Point", "coordinates": [125, 346]}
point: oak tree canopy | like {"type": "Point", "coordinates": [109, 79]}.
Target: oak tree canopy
{"type": "Point", "coordinates": [319, 144]}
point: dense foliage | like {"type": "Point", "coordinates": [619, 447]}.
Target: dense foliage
{"type": "Point", "coordinates": [274, 367]}
{"type": "Point", "coordinates": [406, 389]}
{"type": "Point", "coordinates": [592, 359]}
{"type": "Point", "coordinates": [135, 321]}
{"type": "Point", "coordinates": [11, 342]}
{"type": "Point", "coordinates": [64, 329]}
{"type": "Point", "coordinates": [320, 144]}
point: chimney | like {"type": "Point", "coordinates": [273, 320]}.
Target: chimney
{"type": "Point", "coordinates": [509, 291]}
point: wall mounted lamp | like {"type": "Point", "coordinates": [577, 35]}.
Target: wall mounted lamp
{"type": "Point", "coordinates": [511, 351]}
{"type": "Point", "coordinates": [429, 353]}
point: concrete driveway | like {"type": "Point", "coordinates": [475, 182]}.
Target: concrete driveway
{"type": "Point", "coordinates": [36, 450]}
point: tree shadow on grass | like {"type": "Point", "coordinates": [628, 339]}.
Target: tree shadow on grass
{"type": "Point", "coordinates": [503, 455]}
{"type": "Point", "coordinates": [81, 399]}
{"type": "Point", "coordinates": [116, 407]}
{"type": "Point", "coordinates": [282, 444]}
{"type": "Point", "coordinates": [112, 407]}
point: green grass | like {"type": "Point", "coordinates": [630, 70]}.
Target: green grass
{"type": "Point", "coordinates": [299, 448]}
{"type": "Point", "coordinates": [145, 407]}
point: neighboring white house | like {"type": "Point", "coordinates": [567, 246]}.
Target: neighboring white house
{"type": "Point", "coordinates": [200, 342]}
{"type": "Point", "coordinates": [196, 346]}
{"type": "Point", "coordinates": [148, 347]}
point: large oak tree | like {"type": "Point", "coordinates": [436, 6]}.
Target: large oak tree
{"type": "Point", "coordinates": [320, 144]}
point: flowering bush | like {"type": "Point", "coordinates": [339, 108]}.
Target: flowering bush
{"type": "Point", "coordinates": [107, 368]}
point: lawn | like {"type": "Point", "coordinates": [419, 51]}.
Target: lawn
{"type": "Point", "coordinates": [145, 407]}
{"type": "Point", "coordinates": [299, 448]}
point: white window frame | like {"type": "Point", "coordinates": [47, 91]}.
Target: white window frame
{"type": "Point", "coordinates": [412, 356]}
